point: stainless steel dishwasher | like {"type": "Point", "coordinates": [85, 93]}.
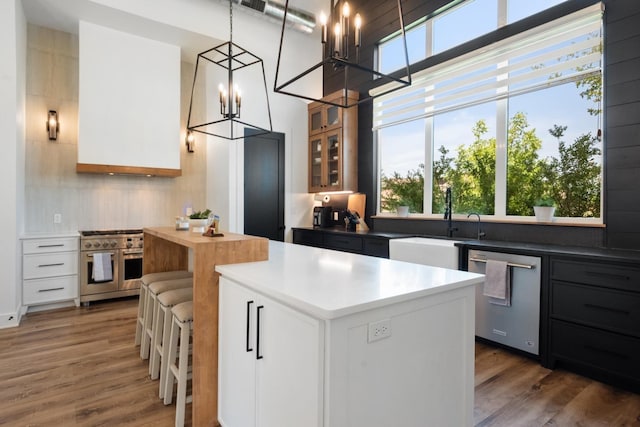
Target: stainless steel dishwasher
{"type": "Point", "coordinates": [518, 325]}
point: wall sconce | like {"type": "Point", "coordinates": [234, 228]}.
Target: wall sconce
{"type": "Point", "coordinates": [190, 141]}
{"type": "Point", "coordinates": [53, 126]}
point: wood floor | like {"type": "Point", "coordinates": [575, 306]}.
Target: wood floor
{"type": "Point", "coordinates": [79, 367]}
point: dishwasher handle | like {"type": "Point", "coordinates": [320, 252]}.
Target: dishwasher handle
{"type": "Point", "coordinates": [509, 264]}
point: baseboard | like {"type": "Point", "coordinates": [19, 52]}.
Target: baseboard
{"type": "Point", "coordinates": [10, 320]}
{"type": "Point", "coordinates": [52, 306]}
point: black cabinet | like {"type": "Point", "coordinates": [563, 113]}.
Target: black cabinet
{"type": "Point", "coordinates": [365, 243]}
{"type": "Point", "coordinates": [595, 319]}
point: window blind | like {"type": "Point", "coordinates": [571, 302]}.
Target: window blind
{"type": "Point", "coordinates": [566, 49]}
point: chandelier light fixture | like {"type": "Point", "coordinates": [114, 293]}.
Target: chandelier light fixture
{"type": "Point", "coordinates": [347, 57]}
{"type": "Point", "coordinates": [223, 75]}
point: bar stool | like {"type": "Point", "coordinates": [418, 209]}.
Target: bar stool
{"type": "Point", "coordinates": [181, 329]}
{"type": "Point", "coordinates": [146, 280]}
{"type": "Point", "coordinates": [161, 331]}
{"type": "Point", "coordinates": [153, 291]}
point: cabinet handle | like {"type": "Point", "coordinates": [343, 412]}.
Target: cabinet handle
{"type": "Point", "coordinates": [608, 275]}
{"type": "Point", "coordinates": [49, 290]}
{"type": "Point", "coordinates": [258, 355]}
{"type": "Point", "coordinates": [248, 316]}
{"type": "Point", "coordinates": [603, 308]}
{"type": "Point", "coordinates": [606, 351]}
{"type": "Point", "coordinates": [58, 245]}
{"type": "Point", "coordinates": [51, 265]}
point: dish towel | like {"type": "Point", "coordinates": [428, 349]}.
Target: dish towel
{"type": "Point", "coordinates": [102, 271]}
{"type": "Point", "coordinates": [497, 282]}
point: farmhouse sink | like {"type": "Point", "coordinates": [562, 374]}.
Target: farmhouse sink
{"type": "Point", "coordinates": [424, 250]}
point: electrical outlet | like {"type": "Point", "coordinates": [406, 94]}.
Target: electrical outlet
{"type": "Point", "coordinates": [379, 330]}
{"type": "Point", "coordinates": [57, 218]}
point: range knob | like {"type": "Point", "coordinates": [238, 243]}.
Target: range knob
{"type": "Point", "coordinates": [96, 244]}
{"type": "Point", "coordinates": [129, 244]}
{"type": "Point", "coordinates": [140, 244]}
{"type": "Point", "coordinates": [105, 245]}
{"type": "Point", "coordinates": [87, 245]}
{"type": "Point", "coordinates": [113, 243]}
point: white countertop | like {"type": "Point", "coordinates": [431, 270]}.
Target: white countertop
{"type": "Point", "coordinates": [330, 284]}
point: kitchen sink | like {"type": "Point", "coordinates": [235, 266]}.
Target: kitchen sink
{"type": "Point", "coordinates": [425, 250]}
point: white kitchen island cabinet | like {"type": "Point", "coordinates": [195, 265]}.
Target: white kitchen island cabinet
{"type": "Point", "coordinates": [314, 337]}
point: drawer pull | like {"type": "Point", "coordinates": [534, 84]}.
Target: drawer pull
{"type": "Point", "coordinates": [606, 351]}
{"type": "Point", "coordinates": [603, 308]}
{"type": "Point", "coordinates": [51, 265]}
{"type": "Point", "coordinates": [49, 290]}
{"type": "Point", "coordinates": [58, 245]}
{"type": "Point", "coordinates": [607, 275]}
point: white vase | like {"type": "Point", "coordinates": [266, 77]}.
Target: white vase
{"type": "Point", "coordinates": [544, 213]}
{"type": "Point", "coordinates": [197, 225]}
{"type": "Point", "coordinates": [402, 211]}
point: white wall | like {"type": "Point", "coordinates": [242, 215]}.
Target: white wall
{"type": "Point", "coordinates": [12, 107]}
{"type": "Point", "coordinates": [129, 112]}
{"type": "Point", "coordinates": [92, 201]}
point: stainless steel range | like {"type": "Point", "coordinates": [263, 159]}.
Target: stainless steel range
{"type": "Point", "coordinates": [117, 278]}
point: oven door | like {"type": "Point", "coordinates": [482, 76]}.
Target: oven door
{"type": "Point", "coordinates": [90, 286]}
{"type": "Point", "coordinates": [131, 269]}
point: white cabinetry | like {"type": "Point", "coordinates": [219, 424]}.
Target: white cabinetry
{"type": "Point", "coordinates": [345, 340]}
{"type": "Point", "coordinates": [49, 269]}
{"type": "Point", "coordinates": [270, 362]}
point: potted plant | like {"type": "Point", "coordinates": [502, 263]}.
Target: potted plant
{"type": "Point", "coordinates": [403, 208]}
{"type": "Point", "coordinates": [198, 221]}
{"type": "Point", "coordinates": [544, 209]}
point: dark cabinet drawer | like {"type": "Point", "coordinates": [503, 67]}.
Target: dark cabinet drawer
{"type": "Point", "coordinates": [376, 247]}
{"type": "Point", "coordinates": [606, 275]}
{"type": "Point", "coordinates": [307, 237]}
{"type": "Point", "coordinates": [604, 308]}
{"type": "Point", "coordinates": [343, 242]}
{"type": "Point", "coordinates": [604, 351]}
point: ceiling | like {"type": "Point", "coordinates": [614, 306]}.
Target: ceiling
{"type": "Point", "coordinates": [64, 15]}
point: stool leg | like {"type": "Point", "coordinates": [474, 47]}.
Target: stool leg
{"type": "Point", "coordinates": [183, 368]}
{"type": "Point", "coordinates": [148, 325]}
{"type": "Point", "coordinates": [171, 359]}
{"type": "Point", "coordinates": [140, 321]}
{"type": "Point", "coordinates": [164, 359]}
{"type": "Point", "coordinates": [156, 340]}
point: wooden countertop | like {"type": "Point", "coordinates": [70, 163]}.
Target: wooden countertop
{"type": "Point", "coordinates": [190, 239]}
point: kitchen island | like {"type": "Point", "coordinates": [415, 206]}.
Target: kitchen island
{"type": "Point", "coordinates": [314, 337]}
{"type": "Point", "coordinates": [166, 249]}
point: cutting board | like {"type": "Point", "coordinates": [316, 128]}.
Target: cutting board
{"type": "Point", "coordinates": [357, 203]}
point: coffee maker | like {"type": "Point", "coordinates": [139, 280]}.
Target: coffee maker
{"type": "Point", "coordinates": [321, 216]}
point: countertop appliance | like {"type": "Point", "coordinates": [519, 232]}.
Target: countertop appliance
{"type": "Point", "coordinates": [321, 216]}
{"type": "Point", "coordinates": [516, 326]}
{"type": "Point", "coordinates": [125, 249]}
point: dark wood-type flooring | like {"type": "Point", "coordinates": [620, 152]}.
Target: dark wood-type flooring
{"type": "Point", "coordinates": [79, 367]}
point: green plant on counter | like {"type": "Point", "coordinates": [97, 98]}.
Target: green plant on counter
{"type": "Point", "coordinates": [200, 215]}
{"type": "Point", "coordinates": [548, 202]}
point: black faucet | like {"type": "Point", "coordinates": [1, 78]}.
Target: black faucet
{"type": "Point", "coordinates": [448, 213]}
{"type": "Point", "coordinates": [481, 234]}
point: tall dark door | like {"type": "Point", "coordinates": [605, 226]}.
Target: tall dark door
{"type": "Point", "coordinates": [264, 185]}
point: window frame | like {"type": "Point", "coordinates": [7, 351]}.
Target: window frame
{"type": "Point", "coordinates": [502, 111]}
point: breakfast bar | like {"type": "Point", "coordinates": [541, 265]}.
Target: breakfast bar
{"type": "Point", "coordinates": [166, 249]}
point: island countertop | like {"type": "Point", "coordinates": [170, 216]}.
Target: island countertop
{"type": "Point", "coordinates": [330, 284]}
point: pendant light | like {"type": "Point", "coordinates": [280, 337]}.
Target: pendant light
{"type": "Point", "coordinates": [347, 56]}
{"type": "Point", "coordinates": [229, 92]}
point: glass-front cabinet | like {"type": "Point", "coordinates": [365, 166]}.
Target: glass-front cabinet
{"type": "Point", "coordinates": [333, 146]}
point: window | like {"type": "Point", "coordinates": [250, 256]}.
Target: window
{"type": "Point", "coordinates": [504, 126]}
